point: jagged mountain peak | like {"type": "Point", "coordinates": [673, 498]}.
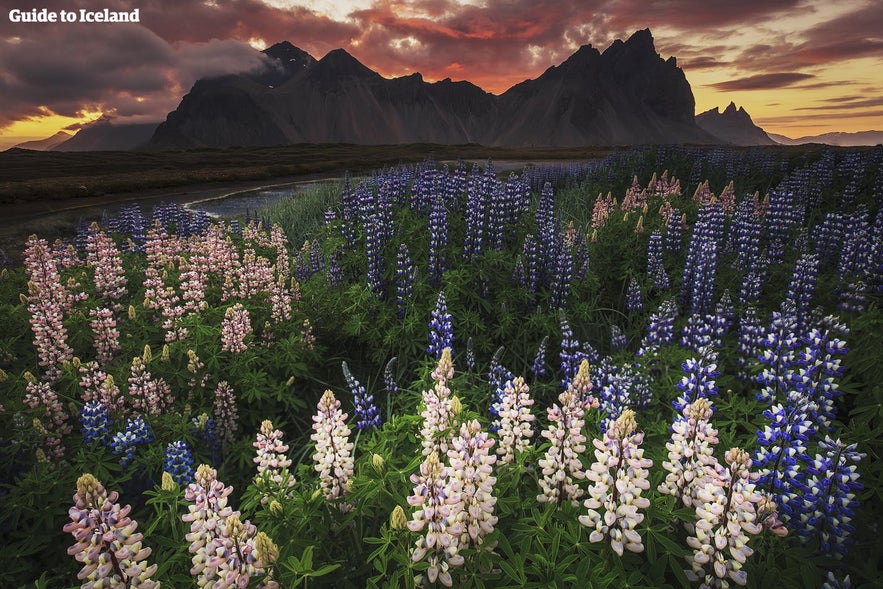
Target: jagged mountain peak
{"type": "Point", "coordinates": [733, 125]}
{"type": "Point", "coordinates": [287, 53]}
{"type": "Point", "coordinates": [342, 63]}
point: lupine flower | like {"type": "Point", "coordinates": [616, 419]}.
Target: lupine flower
{"type": "Point", "coordinates": [438, 240]}
{"type": "Point", "coordinates": [95, 422]}
{"type": "Point", "coordinates": [124, 442]}
{"type": "Point", "coordinates": [802, 287]}
{"type": "Point", "coordinates": [106, 336]}
{"type": "Point", "coordinates": [178, 462]}
{"type": "Point", "coordinates": [105, 259]}
{"type": "Point", "coordinates": [406, 275]}
{"type": "Point", "coordinates": [725, 517]}
{"type": "Point", "coordinates": [660, 330]}
{"type": "Point", "coordinates": [234, 328]}
{"type": "Point", "coordinates": [698, 380]}
{"type": "Point", "coordinates": [655, 268]}
{"type": "Point", "coordinates": [366, 411]}
{"type": "Point", "coordinates": [433, 514]}
{"type": "Point", "coordinates": [437, 409]}
{"type": "Point", "coordinates": [538, 366]}
{"type": "Point", "coordinates": [470, 354]}
{"type": "Point", "coordinates": [146, 394]}
{"type": "Point", "coordinates": [441, 330]}
{"type": "Point", "coordinates": [778, 356]}
{"type": "Point", "coordinates": [225, 413]}
{"type": "Point", "coordinates": [513, 423]}
{"type": "Point", "coordinates": [817, 368]}
{"type": "Point", "coordinates": [53, 420]}
{"type": "Point", "coordinates": [690, 451]}
{"type": "Point", "coordinates": [673, 228]}
{"type": "Point", "coordinates": [602, 209]}
{"type": "Point", "coordinates": [829, 501]}
{"type": "Point", "coordinates": [470, 484]}
{"type": "Point", "coordinates": [561, 466]}
{"type": "Point", "coordinates": [618, 493]}
{"type": "Point", "coordinates": [389, 377]}
{"type": "Point", "coordinates": [227, 552]}
{"type": "Point", "coordinates": [634, 299]}
{"type": "Point", "coordinates": [570, 354]}
{"type": "Point", "coordinates": [618, 340]}
{"type": "Point", "coordinates": [783, 443]}
{"type": "Point", "coordinates": [273, 462]}
{"type": "Point", "coordinates": [106, 541]}
{"type": "Point", "coordinates": [333, 457]}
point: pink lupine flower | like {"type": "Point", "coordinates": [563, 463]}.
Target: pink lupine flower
{"type": "Point", "coordinates": [193, 282]}
{"type": "Point", "coordinates": [146, 394]}
{"type": "Point", "coordinates": [255, 275]}
{"type": "Point", "coordinates": [761, 205]}
{"type": "Point", "coordinates": [604, 205]}
{"type": "Point", "coordinates": [52, 423]}
{"type": "Point", "coordinates": [619, 475]}
{"type": "Point", "coordinates": [106, 336]}
{"type": "Point", "coordinates": [106, 541]}
{"type": "Point", "coordinates": [273, 463]}
{"type": "Point", "coordinates": [561, 466]}
{"type": "Point", "coordinates": [635, 197]}
{"type": "Point", "coordinates": [514, 420]}
{"type": "Point", "coordinates": [225, 549]}
{"type": "Point", "coordinates": [471, 483]}
{"type": "Point", "coordinates": [433, 514]}
{"type": "Point", "coordinates": [333, 458]}
{"type": "Point", "coordinates": [581, 386]}
{"type": "Point", "coordinates": [225, 413]}
{"type": "Point", "coordinates": [703, 194]}
{"type": "Point", "coordinates": [727, 198]}
{"type": "Point", "coordinates": [234, 328]}
{"type": "Point", "coordinates": [306, 335]}
{"type": "Point", "coordinates": [437, 413]}
{"type": "Point", "coordinates": [725, 517]}
{"type": "Point", "coordinates": [690, 451]}
{"type": "Point", "coordinates": [47, 299]}
{"type": "Point", "coordinates": [105, 259]}
{"type": "Point", "coordinates": [280, 300]}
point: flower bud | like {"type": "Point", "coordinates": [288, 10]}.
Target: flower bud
{"type": "Point", "coordinates": [132, 314]}
{"type": "Point", "coordinates": [147, 356]}
{"type": "Point", "coordinates": [377, 462]}
{"type": "Point", "coordinates": [275, 508]}
{"type": "Point", "coordinates": [165, 355]}
{"type": "Point", "coordinates": [290, 381]}
{"type": "Point", "coordinates": [456, 405]}
{"type": "Point", "coordinates": [28, 376]}
{"type": "Point", "coordinates": [316, 494]}
{"type": "Point", "coordinates": [3, 375]}
{"type": "Point", "coordinates": [267, 550]}
{"type": "Point", "coordinates": [168, 483]}
{"type": "Point", "coordinates": [397, 519]}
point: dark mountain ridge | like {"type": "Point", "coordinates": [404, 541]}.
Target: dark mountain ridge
{"type": "Point", "coordinates": [733, 126]}
{"type": "Point", "coordinates": [626, 95]}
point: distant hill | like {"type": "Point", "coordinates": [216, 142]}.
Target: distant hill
{"type": "Point", "coordinates": [733, 126]}
{"type": "Point", "coordinates": [840, 139]}
{"type": "Point", "coordinates": [104, 135]}
{"type": "Point", "coordinates": [626, 95]}
{"type": "Point", "coordinates": [47, 144]}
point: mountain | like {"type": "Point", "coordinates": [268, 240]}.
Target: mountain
{"type": "Point", "coordinates": [626, 95]}
{"type": "Point", "coordinates": [47, 144]}
{"type": "Point", "coordinates": [733, 126]}
{"type": "Point", "coordinates": [104, 135]}
{"type": "Point", "coordinates": [857, 139]}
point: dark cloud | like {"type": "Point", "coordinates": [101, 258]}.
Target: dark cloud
{"type": "Point", "coordinates": [762, 81]}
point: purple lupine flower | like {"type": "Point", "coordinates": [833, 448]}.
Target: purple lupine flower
{"type": "Point", "coordinates": [441, 329]}
{"type": "Point", "coordinates": [374, 241]}
{"type": "Point", "coordinates": [389, 377]}
{"type": "Point", "coordinates": [802, 286]}
{"type": "Point", "coordinates": [829, 502]}
{"type": "Point", "coordinates": [655, 268]}
{"type": "Point", "coordinates": [95, 421]}
{"type": "Point", "coordinates": [624, 387]}
{"type": "Point", "coordinates": [777, 356]}
{"type": "Point", "coordinates": [531, 264]}
{"type": "Point", "coordinates": [698, 380]}
{"type": "Point", "coordinates": [660, 330]}
{"type": "Point", "coordinates": [570, 354]}
{"type": "Point", "coordinates": [817, 368]}
{"type": "Point", "coordinates": [178, 462]}
{"type": "Point", "coordinates": [618, 340]}
{"type": "Point", "coordinates": [750, 338]}
{"type": "Point", "coordinates": [334, 273]}
{"type": "Point", "coordinates": [562, 275]}
{"type": "Point", "coordinates": [438, 240]}
{"type": "Point", "coordinates": [366, 411]}
{"type": "Point", "coordinates": [634, 299]}
{"type": "Point", "coordinates": [673, 232]}
{"type": "Point", "coordinates": [406, 275]}
{"type": "Point", "coordinates": [538, 366]}
{"type": "Point", "coordinates": [124, 442]}
{"type": "Point", "coordinates": [470, 354]}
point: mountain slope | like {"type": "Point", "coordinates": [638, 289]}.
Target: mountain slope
{"type": "Point", "coordinates": [733, 126]}
{"type": "Point", "coordinates": [103, 135]}
{"type": "Point", "coordinates": [627, 95]}
{"type": "Point", "coordinates": [47, 144]}
{"type": "Point", "coordinates": [856, 139]}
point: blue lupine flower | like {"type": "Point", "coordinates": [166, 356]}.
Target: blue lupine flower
{"type": "Point", "coordinates": [470, 354]}
{"type": "Point", "coordinates": [366, 411]}
{"type": "Point", "coordinates": [538, 366]}
{"type": "Point", "coordinates": [817, 368]}
{"type": "Point", "coordinates": [673, 232]}
{"type": "Point", "coordinates": [94, 423]}
{"type": "Point", "coordinates": [406, 275]}
{"type": "Point", "coordinates": [441, 329]}
{"type": "Point", "coordinates": [570, 354]}
{"type": "Point", "coordinates": [618, 340]}
{"type": "Point", "coordinates": [777, 355]}
{"type": "Point", "coordinates": [830, 502]}
{"type": "Point", "coordinates": [660, 330]}
{"type": "Point", "coordinates": [655, 268]}
{"type": "Point", "coordinates": [178, 462]}
{"type": "Point", "coordinates": [698, 380]}
{"type": "Point", "coordinates": [750, 340]}
{"type": "Point", "coordinates": [634, 299]}
{"type": "Point", "coordinates": [801, 288]}
{"type": "Point", "coordinates": [124, 442]}
{"type": "Point", "coordinates": [389, 377]}
{"type": "Point", "coordinates": [438, 240]}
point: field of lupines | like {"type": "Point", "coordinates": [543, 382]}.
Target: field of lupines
{"type": "Point", "coordinates": [660, 369]}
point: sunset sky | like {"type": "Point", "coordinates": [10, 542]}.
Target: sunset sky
{"type": "Point", "coordinates": [799, 67]}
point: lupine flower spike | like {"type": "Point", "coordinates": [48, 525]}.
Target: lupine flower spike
{"type": "Point", "coordinates": [620, 476]}
{"type": "Point", "coordinates": [333, 458]}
